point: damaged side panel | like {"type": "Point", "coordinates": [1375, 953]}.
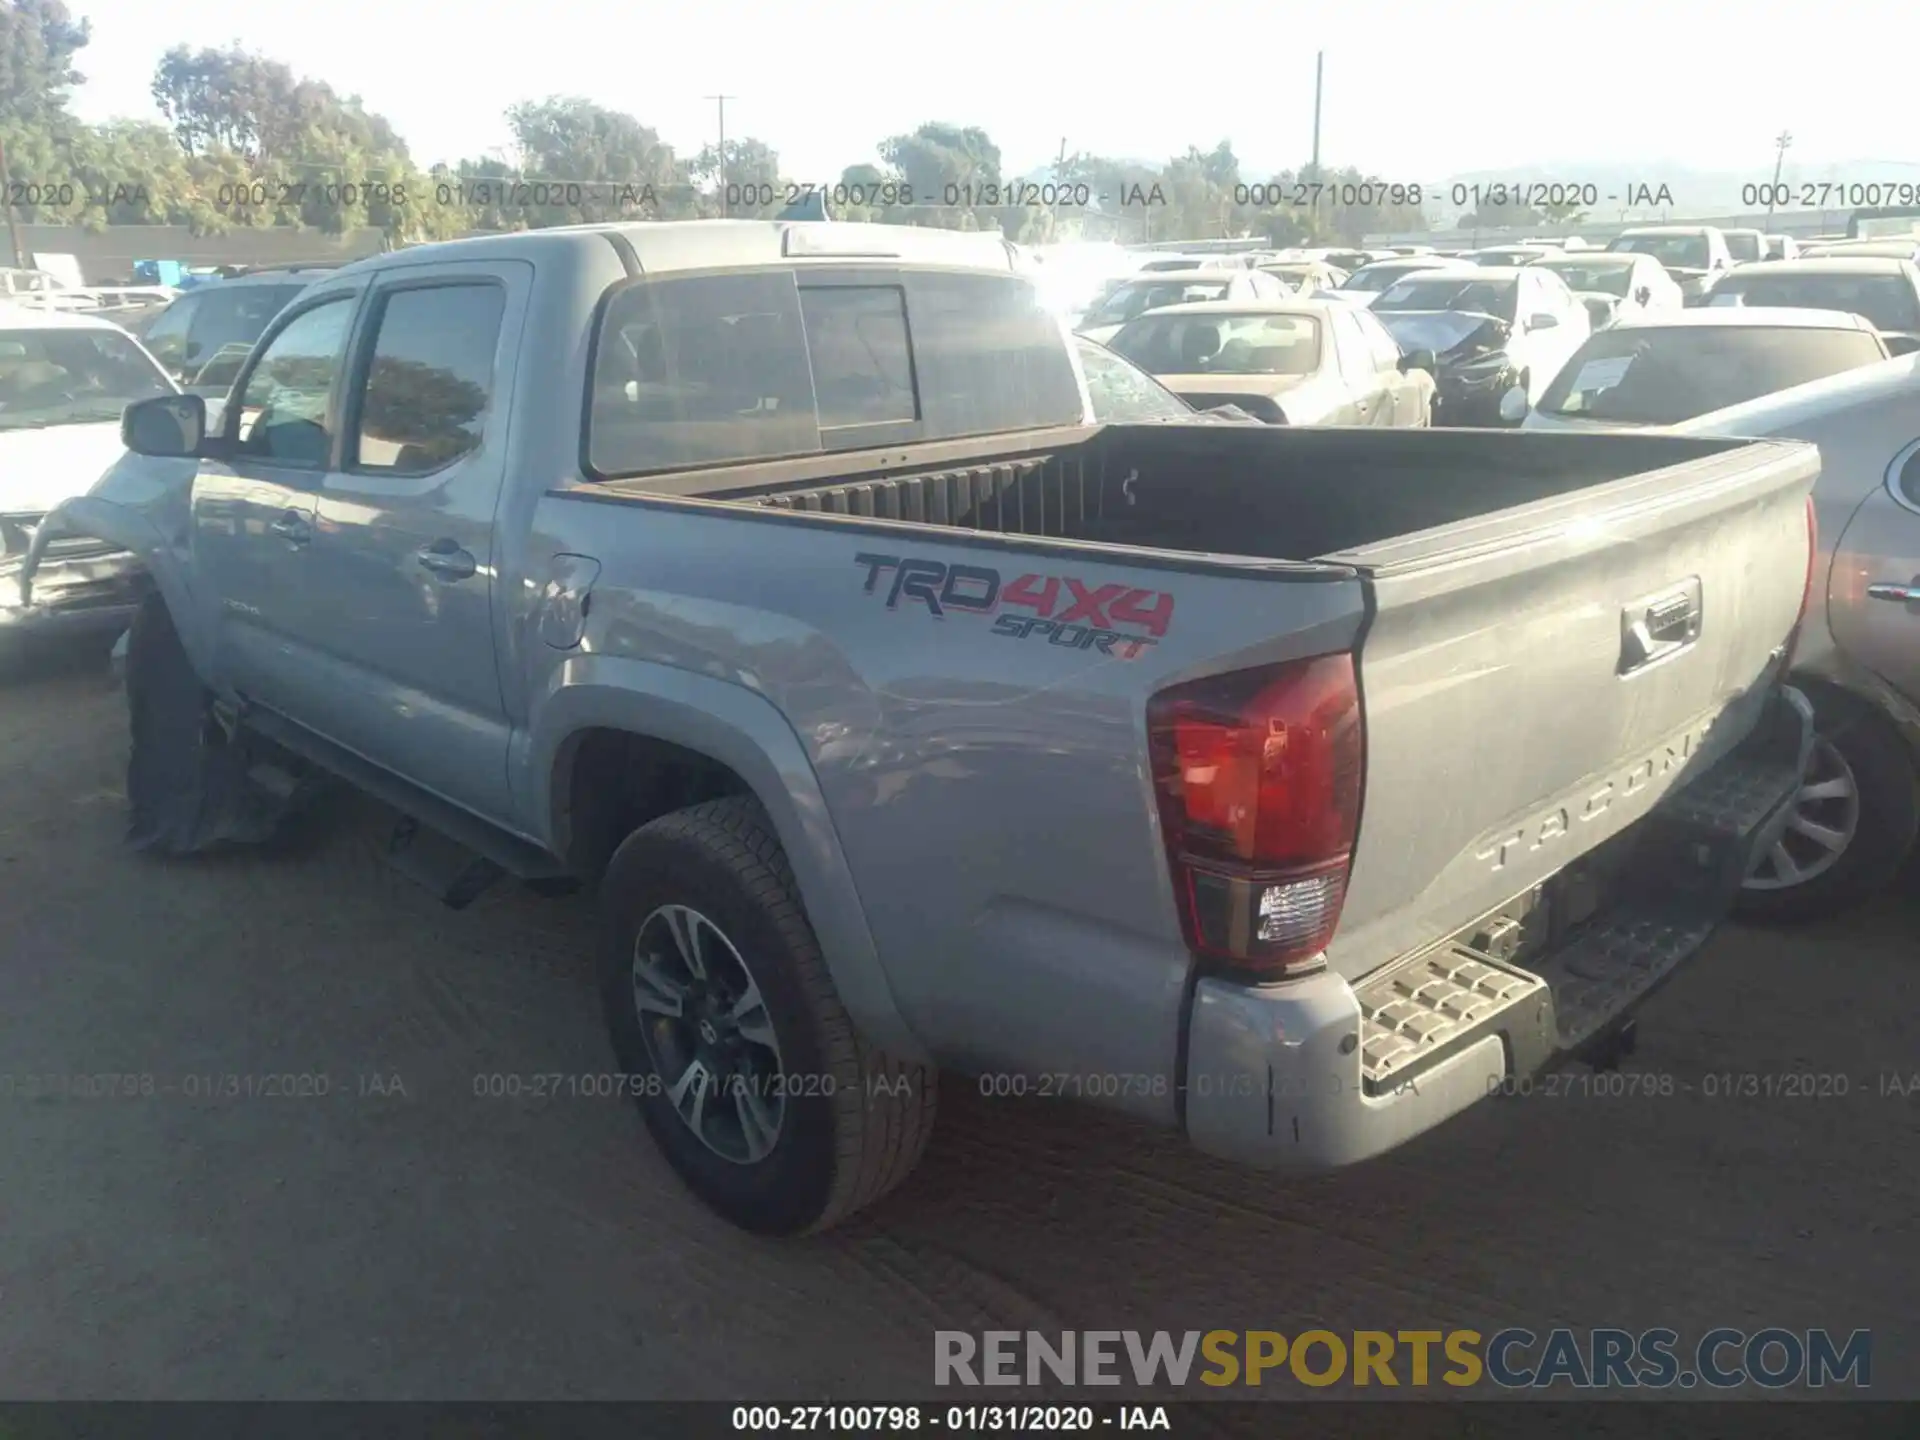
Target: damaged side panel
{"type": "Point", "coordinates": [146, 506]}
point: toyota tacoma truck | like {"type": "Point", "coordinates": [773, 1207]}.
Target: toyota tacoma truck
{"type": "Point", "coordinates": [1292, 788]}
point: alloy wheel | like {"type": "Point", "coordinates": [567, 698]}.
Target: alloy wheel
{"type": "Point", "coordinates": [708, 1033]}
{"type": "Point", "coordinates": [1826, 815]}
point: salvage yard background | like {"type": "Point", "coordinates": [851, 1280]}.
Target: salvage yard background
{"type": "Point", "coordinates": [435, 1244]}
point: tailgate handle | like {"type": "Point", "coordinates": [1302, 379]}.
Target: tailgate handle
{"type": "Point", "coordinates": [1659, 626]}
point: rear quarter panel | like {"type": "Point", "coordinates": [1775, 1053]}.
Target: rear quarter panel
{"type": "Point", "coordinates": [990, 793]}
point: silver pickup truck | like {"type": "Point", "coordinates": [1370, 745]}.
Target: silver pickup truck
{"type": "Point", "coordinates": [1293, 788]}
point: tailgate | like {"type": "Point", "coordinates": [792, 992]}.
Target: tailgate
{"type": "Point", "coordinates": [1535, 679]}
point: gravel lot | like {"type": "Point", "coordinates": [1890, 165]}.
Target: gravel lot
{"type": "Point", "coordinates": [435, 1244]}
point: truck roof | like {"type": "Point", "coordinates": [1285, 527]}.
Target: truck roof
{"type": "Point", "coordinates": [666, 246]}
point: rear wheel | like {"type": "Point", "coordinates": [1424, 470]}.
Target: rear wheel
{"type": "Point", "coordinates": [1853, 824]}
{"type": "Point", "coordinates": [746, 1067]}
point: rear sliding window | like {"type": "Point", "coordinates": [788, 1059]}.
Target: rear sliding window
{"type": "Point", "coordinates": [717, 369]}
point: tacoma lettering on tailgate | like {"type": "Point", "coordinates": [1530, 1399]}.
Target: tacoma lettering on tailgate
{"type": "Point", "coordinates": [1544, 830]}
{"type": "Point", "coordinates": [1064, 611]}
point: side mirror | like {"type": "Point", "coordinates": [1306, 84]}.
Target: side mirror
{"type": "Point", "coordinates": [1419, 360]}
{"type": "Point", "coordinates": [1902, 344]}
{"type": "Point", "coordinates": [1542, 321]}
{"type": "Point", "coordinates": [1514, 406]}
{"type": "Point", "coordinates": [1643, 295]}
{"type": "Point", "coordinates": [168, 427]}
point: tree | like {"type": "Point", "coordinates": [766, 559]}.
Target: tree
{"type": "Point", "coordinates": [752, 176]}
{"type": "Point", "coordinates": [1499, 217]}
{"type": "Point", "coordinates": [951, 170]}
{"type": "Point", "coordinates": [38, 42]}
{"type": "Point", "coordinates": [1563, 212]}
{"type": "Point", "coordinates": [581, 163]}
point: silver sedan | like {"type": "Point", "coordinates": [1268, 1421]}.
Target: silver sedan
{"type": "Point", "coordinates": [1858, 659]}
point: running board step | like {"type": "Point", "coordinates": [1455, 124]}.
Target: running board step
{"type": "Point", "coordinates": [445, 867]}
{"type": "Point", "coordinates": [440, 824]}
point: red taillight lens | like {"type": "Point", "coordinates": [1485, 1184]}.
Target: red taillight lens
{"type": "Point", "coordinates": [1258, 777]}
{"type": "Point", "coordinates": [1806, 590]}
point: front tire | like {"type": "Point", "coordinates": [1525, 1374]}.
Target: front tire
{"type": "Point", "coordinates": [1854, 823]}
{"type": "Point", "coordinates": [747, 1069]}
{"type": "Point", "coordinates": [187, 780]}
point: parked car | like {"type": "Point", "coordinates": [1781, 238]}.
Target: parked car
{"type": "Point", "coordinates": [1615, 286]}
{"type": "Point", "coordinates": [1121, 393]}
{"type": "Point", "coordinates": [1288, 362]}
{"type": "Point", "coordinates": [1864, 249]}
{"type": "Point", "coordinates": [1499, 335]}
{"type": "Point", "coordinates": [1503, 255]}
{"type": "Point", "coordinates": [1858, 655]}
{"type": "Point", "coordinates": [1660, 369]}
{"type": "Point", "coordinates": [1370, 282]}
{"type": "Point", "coordinates": [1064, 773]}
{"type": "Point", "coordinates": [1351, 260]}
{"type": "Point", "coordinates": [1782, 247]}
{"type": "Point", "coordinates": [1306, 277]}
{"type": "Point", "coordinates": [64, 380]}
{"type": "Point", "coordinates": [1695, 255]}
{"type": "Point", "coordinates": [1886, 291]}
{"type": "Point", "coordinates": [1182, 262]}
{"type": "Point", "coordinates": [1745, 246]}
{"type": "Point", "coordinates": [195, 328]}
{"type": "Point", "coordinates": [1135, 297]}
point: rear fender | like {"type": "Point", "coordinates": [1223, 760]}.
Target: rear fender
{"type": "Point", "coordinates": [744, 731]}
{"type": "Point", "coordinates": [145, 506]}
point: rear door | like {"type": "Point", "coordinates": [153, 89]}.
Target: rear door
{"type": "Point", "coordinates": [1368, 401]}
{"type": "Point", "coordinates": [1874, 606]}
{"type": "Point", "coordinates": [405, 663]}
{"type": "Point", "coordinates": [1513, 717]}
{"type": "Point", "coordinates": [1404, 396]}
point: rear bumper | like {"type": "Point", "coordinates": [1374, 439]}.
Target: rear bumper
{"type": "Point", "coordinates": [1321, 1072]}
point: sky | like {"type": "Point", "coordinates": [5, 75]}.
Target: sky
{"type": "Point", "coordinates": [1413, 93]}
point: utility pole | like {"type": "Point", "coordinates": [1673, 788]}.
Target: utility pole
{"type": "Point", "coordinates": [1319, 75]}
{"type": "Point", "coordinates": [1780, 144]}
{"type": "Point", "coordinates": [721, 101]}
{"type": "Point", "coordinates": [1059, 170]}
{"type": "Point", "coordinates": [13, 225]}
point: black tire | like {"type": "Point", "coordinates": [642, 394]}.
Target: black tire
{"type": "Point", "coordinates": [187, 785]}
{"type": "Point", "coordinates": [855, 1121]}
{"type": "Point", "coordinates": [1882, 770]}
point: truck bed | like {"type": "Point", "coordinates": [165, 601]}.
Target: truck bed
{"type": "Point", "coordinates": [1552, 631]}
{"type": "Point", "coordinates": [1270, 493]}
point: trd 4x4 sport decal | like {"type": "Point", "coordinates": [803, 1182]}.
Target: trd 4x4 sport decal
{"type": "Point", "coordinates": [1061, 610]}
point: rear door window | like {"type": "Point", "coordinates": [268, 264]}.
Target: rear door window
{"type": "Point", "coordinates": [424, 400]}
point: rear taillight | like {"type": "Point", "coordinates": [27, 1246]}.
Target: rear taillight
{"type": "Point", "coordinates": [1806, 589]}
{"type": "Point", "coordinates": [1258, 777]}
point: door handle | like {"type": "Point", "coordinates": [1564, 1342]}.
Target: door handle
{"type": "Point", "coordinates": [1908, 594]}
{"type": "Point", "coordinates": [446, 559]}
{"type": "Point", "coordinates": [292, 527]}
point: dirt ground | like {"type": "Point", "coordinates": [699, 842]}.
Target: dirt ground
{"type": "Point", "coordinates": [403, 1237]}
